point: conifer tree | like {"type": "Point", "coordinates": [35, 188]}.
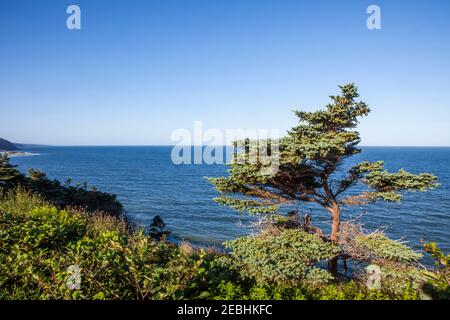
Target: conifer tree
{"type": "Point", "coordinates": [9, 175]}
{"type": "Point", "coordinates": [309, 160]}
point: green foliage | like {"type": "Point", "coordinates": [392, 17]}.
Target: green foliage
{"type": "Point", "coordinates": [403, 281]}
{"type": "Point", "coordinates": [53, 191]}
{"type": "Point", "coordinates": [20, 201]}
{"type": "Point", "coordinates": [40, 242]}
{"type": "Point", "coordinates": [308, 155]}
{"type": "Point", "coordinates": [253, 207]}
{"type": "Point", "coordinates": [442, 261]}
{"type": "Point", "coordinates": [287, 257]}
{"type": "Point", "coordinates": [350, 290]}
{"type": "Point", "coordinates": [327, 134]}
{"type": "Point", "coordinates": [400, 275]}
{"type": "Point", "coordinates": [382, 247]}
{"type": "Point", "coordinates": [9, 175]}
{"type": "Point", "coordinates": [387, 185]}
{"type": "Point", "coordinates": [309, 159]}
{"type": "Point", "coordinates": [31, 239]}
{"type": "Point", "coordinates": [438, 281]}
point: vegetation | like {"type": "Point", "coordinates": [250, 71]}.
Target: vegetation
{"type": "Point", "coordinates": [67, 242]}
{"type": "Point", "coordinates": [59, 194]}
{"type": "Point", "coordinates": [439, 280]}
{"type": "Point", "coordinates": [286, 257]}
{"type": "Point", "coordinates": [308, 172]}
{"type": "Point", "coordinates": [52, 253]}
{"type": "Point", "coordinates": [381, 247]}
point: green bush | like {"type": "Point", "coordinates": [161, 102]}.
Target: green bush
{"type": "Point", "coordinates": [351, 290]}
{"type": "Point", "coordinates": [61, 195]}
{"type": "Point", "coordinates": [40, 242]}
{"type": "Point", "coordinates": [438, 285]}
{"type": "Point", "coordinates": [289, 256]}
{"type": "Point", "coordinates": [382, 247]}
{"type": "Point", "coordinates": [41, 246]}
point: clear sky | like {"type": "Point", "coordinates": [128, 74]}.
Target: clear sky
{"type": "Point", "coordinates": [137, 70]}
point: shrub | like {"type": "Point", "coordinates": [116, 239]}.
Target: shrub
{"type": "Point", "coordinates": [351, 290]}
{"type": "Point", "coordinates": [438, 285]}
{"type": "Point", "coordinates": [42, 247]}
{"type": "Point", "coordinates": [39, 243]}
{"type": "Point", "coordinates": [33, 240]}
{"type": "Point", "coordinates": [52, 190]}
{"type": "Point", "coordinates": [401, 281]}
{"type": "Point", "coordinates": [382, 247]}
{"type": "Point", "coordinates": [287, 257]}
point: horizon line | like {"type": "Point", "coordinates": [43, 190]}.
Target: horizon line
{"type": "Point", "coordinates": [224, 145]}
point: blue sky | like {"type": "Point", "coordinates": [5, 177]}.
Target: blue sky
{"type": "Point", "coordinates": [137, 70]}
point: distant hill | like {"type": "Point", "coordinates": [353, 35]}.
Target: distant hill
{"type": "Point", "coordinates": [5, 145]}
{"type": "Point", "coordinates": [28, 145]}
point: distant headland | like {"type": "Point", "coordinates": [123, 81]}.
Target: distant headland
{"type": "Point", "coordinates": [5, 145]}
{"type": "Point", "coordinates": [15, 149]}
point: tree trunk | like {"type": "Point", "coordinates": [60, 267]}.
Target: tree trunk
{"type": "Point", "coordinates": [334, 237]}
{"type": "Point", "coordinates": [336, 218]}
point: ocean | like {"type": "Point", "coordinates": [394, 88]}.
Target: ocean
{"type": "Point", "coordinates": [148, 184]}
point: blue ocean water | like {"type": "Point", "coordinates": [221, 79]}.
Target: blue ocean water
{"type": "Point", "coordinates": [147, 182]}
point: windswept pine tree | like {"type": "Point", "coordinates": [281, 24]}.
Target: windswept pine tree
{"type": "Point", "coordinates": [310, 157]}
